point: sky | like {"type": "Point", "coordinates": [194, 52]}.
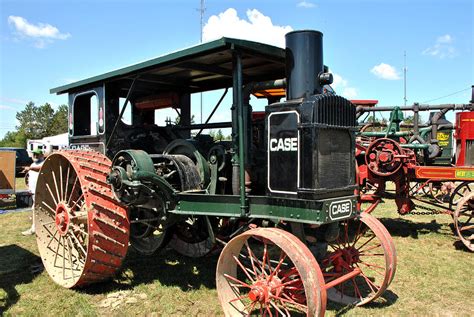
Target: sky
{"type": "Point", "coordinates": [49, 43]}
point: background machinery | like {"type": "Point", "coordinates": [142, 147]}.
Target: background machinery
{"type": "Point", "coordinates": [418, 158]}
{"type": "Point", "coordinates": [280, 196]}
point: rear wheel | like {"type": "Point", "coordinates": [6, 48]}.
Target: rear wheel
{"type": "Point", "coordinates": [82, 231]}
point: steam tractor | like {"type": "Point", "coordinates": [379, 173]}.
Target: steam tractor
{"type": "Point", "coordinates": [280, 197]}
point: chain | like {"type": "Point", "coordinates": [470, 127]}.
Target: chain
{"type": "Point", "coordinates": [428, 211]}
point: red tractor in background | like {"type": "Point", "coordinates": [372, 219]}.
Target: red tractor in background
{"type": "Point", "coordinates": [417, 158]}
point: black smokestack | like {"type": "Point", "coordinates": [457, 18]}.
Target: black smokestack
{"type": "Point", "coordinates": [304, 63]}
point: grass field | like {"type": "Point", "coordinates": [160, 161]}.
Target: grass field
{"type": "Point", "coordinates": [434, 278]}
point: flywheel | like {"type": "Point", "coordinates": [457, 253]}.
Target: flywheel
{"type": "Point", "coordinates": [82, 231]}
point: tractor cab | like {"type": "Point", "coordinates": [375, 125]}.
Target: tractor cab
{"type": "Point", "coordinates": [126, 108]}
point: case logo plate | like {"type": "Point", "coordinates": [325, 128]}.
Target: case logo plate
{"type": "Point", "coordinates": [340, 209]}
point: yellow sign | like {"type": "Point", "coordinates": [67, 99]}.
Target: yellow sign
{"type": "Point", "coordinates": [443, 138]}
{"type": "Point", "coordinates": [464, 174]}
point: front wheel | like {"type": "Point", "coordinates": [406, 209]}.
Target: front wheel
{"type": "Point", "coordinates": [366, 245]}
{"type": "Point", "coordinates": [269, 272]}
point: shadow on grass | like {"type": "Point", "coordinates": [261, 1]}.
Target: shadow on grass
{"type": "Point", "coordinates": [167, 267]}
{"type": "Point", "coordinates": [388, 298]}
{"type": "Point", "coordinates": [407, 228]}
{"type": "Point", "coordinates": [459, 246]}
{"type": "Point", "coordinates": [17, 266]}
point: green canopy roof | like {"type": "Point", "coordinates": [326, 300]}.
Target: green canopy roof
{"type": "Point", "coordinates": [202, 67]}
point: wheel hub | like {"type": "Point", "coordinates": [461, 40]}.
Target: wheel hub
{"type": "Point", "coordinates": [62, 218]}
{"type": "Point", "coordinates": [345, 258]}
{"type": "Point", "coordinates": [262, 289]}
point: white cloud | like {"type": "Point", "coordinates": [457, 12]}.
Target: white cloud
{"type": "Point", "coordinates": [13, 100]}
{"type": "Point", "coordinates": [385, 71]}
{"type": "Point", "coordinates": [6, 107]}
{"type": "Point", "coordinates": [41, 33]}
{"type": "Point", "coordinates": [341, 86]}
{"type": "Point", "coordinates": [442, 48]}
{"type": "Point", "coordinates": [257, 27]}
{"type": "Point", "coordinates": [305, 4]}
{"type": "Point", "coordinates": [444, 39]}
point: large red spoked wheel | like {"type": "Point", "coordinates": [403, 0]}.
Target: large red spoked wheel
{"type": "Point", "coordinates": [82, 231]}
{"type": "Point", "coordinates": [464, 221]}
{"type": "Point", "coordinates": [366, 246]}
{"type": "Point", "coordinates": [269, 272]}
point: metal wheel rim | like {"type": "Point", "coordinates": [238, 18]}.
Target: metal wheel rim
{"type": "Point", "coordinates": [90, 241]}
{"type": "Point", "coordinates": [292, 248]}
{"type": "Point", "coordinates": [464, 221]}
{"type": "Point", "coordinates": [363, 288]}
{"type": "Point", "coordinates": [459, 193]}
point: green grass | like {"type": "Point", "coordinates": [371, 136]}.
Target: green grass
{"type": "Point", "coordinates": [434, 277]}
{"type": "Point", "coordinates": [20, 183]}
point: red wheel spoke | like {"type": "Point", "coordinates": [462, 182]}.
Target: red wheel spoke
{"type": "Point", "coordinates": [356, 288]}
{"type": "Point", "coordinates": [371, 254]}
{"type": "Point", "coordinates": [51, 193]}
{"type": "Point", "coordinates": [277, 268]}
{"type": "Point", "coordinates": [238, 298]}
{"type": "Point", "coordinates": [50, 208]}
{"type": "Point", "coordinates": [56, 186]}
{"type": "Point", "coordinates": [264, 260]}
{"type": "Point", "coordinates": [291, 282]}
{"type": "Point", "coordinates": [77, 201]}
{"type": "Point", "coordinates": [277, 308]}
{"type": "Point", "coordinates": [366, 242]}
{"type": "Point", "coordinates": [76, 227]}
{"type": "Point", "coordinates": [378, 245]}
{"type": "Point", "coordinates": [79, 244]}
{"type": "Point", "coordinates": [370, 283]}
{"type": "Point", "coordinates": [244, 269]}
{"type": "Point", "coordinates": [251, 256]}
{"type": "Point", "coordinates": [236, 280]}
{"type": "Point", "coordinates": [66, 183]}
{"type": "Point", "coordinates": [289, 300]}
{"type": "Point", "coordinates": [373, 267]}
{"type": "Point", "coordinates": [358, 234]}
{"type": "Point", "coordinates": [250, 307]}
{"type": "Point", "coordinates": [464, 228]}
{"type": "Point", "coordinates": [61, 181]}
{"type": "Point", "coordinates": [72, 190]}
{"type": "Point", "coordinates": [269, 311]}
{"type": "Point", "coordinates": [286, 309]}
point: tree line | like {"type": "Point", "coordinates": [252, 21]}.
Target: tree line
{"type": "Point", "coordinates": [36, 122]}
